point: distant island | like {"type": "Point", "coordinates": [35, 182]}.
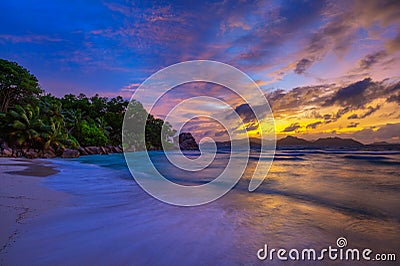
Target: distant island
{"type": "Point", "coordinates": [295, 143]}
{"type": "Point", "coordinates": [291, 142]}
{"type": "Point", "coordinates": [321, 143]}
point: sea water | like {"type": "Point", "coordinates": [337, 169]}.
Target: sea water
{"type": "Point", "coordinates": [308, 200]}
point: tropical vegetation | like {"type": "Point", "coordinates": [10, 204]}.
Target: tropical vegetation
{"type": "Point", "coordinates": [30, 118]}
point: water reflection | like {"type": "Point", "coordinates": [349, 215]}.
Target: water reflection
{"type": "Point", "coordinates": [309, 199]}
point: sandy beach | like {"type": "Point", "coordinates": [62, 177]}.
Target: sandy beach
{"type": "Point", "coordinates": [22, 197]}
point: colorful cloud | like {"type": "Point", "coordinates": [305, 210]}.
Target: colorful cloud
{"type": "Point", "coordinates": [327, 67]}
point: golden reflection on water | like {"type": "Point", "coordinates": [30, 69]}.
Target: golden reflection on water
{"type": "Point", "coordinates": [312, 200]}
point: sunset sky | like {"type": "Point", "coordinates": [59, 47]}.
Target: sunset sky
{"type": "Point", "coordinates": [328, 68]}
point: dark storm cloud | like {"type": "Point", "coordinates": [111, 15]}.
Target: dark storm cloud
{"type": "Point", "coordinates": [353, 116]}
{"type": "Point", "coordinates": [342, 111]}
{"type": "Point", "coordinates": [246, 113]}
{"type": "Point", "coordinates": [372, 59]}
{"type": "Point", "coordinates": [298, 97]}
{"type": "Point", "coordinates": [313, 125]}
{"type": "Point", "coordinates": [352, 95]}
{"type": "Point", "coordinates": [335, 35]}
{"type": "Point", "coordinates": [221, 133]}
{"type": "Point", "coordinates": [292, 127]}
{"type": "Point", "coordinates": [370, 111]}
{"type": "Point", "coordinates": [344, 20]}
{"type": "Point", "coordinates": [275, 95]}
{"type": "Point", "coordinates": [357, 96]}
{"type": "Point", "coordinates": [275, 26]}
{"type": "Point", "coordinates": [302, 66]}
{"type": "Point", "coordinates": [394, 98]}
{"type": "Point", "coordinates": [352, 125]}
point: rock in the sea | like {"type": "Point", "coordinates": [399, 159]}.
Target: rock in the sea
{"type": "Point", "coordinates": [116, 149]}
{"type": "Point", "coordinates": [187, 142]}
{"type": "Point", "coordinates": [31, 154]}
{"type": "Point", "coordinates": [48, 154]}
{"type": "Point", "coordinates": [103, 150]}
{"type": "Point", "coordinates": [59, 151]}
{"type": "Point", "coordinates": [108, 148]}
{"type": "Point", "coordinates": [7, 152]}
{"type": "Point", "coordinates": [82, 151]}
{"type": "Point", "coordinates": [3, 144]}
{"type": "Point", "coordinates": [92, 150]}
{"type": "Point", "coordinates": [70, 153]}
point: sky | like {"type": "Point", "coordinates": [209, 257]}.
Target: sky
{"type": "Point", "coordinates": [327, 68]}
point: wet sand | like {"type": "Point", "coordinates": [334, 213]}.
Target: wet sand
{"type": "Point", "coordinates": [23, 197]}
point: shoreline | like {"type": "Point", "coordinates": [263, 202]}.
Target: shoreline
{"type": "Point", "coordinates": [31, 153]}
{"type": "Point", "coordinates": [36, 169]}
{"type": "Point", "coordinates": [109, 218]}
{"type": "Point", "coordinates": [23, 197]}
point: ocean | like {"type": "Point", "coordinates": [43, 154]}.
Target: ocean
{"type": "Point", "coordinates": [309, 199]}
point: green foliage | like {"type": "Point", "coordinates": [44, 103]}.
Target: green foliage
{"type": "Point", "coordinates": [91, 135]}
{"type": "Point", "coordinates": [36, 127]}
{"type": "Point", "coordinates": [135, 116]}
{"type": "Point", "coordinates": [156, 135]}
{"type": "Point", "coordinates": [45, 121]}
{"type": "Point", "coordinates": [56, 136]}
{"type": "Point", "coordinates": [25, 125]}
{"type": "Point", "coordinates": [16, 85]}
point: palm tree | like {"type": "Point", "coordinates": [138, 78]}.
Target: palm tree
{"type": "Point", "coordinates": [102, 124]}
{"type": "Point", "coordinates": [52, 109]}
{"type": "Point", "coordinates": [56, 135]}
{"type": "Point", "coordinates": [26, 125]}
{"type": "Point", "coordinates": [73, 118]}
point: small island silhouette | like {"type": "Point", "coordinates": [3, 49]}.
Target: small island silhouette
{"type": "Point", "coordinates": [295, 143]}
